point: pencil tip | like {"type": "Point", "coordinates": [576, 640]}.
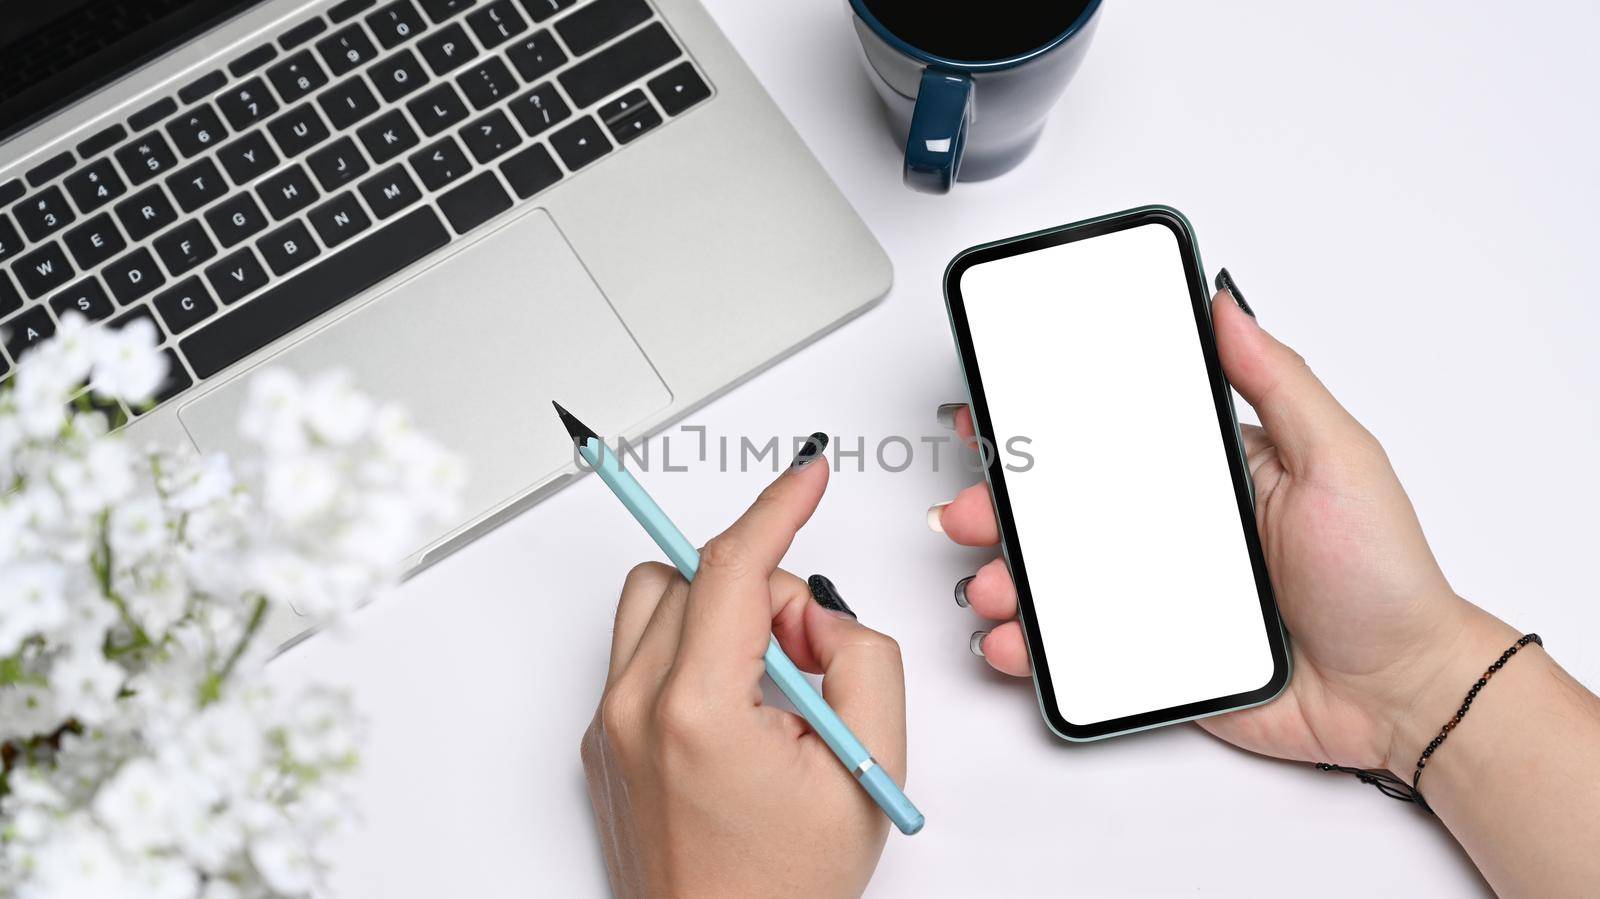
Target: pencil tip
{"type": "Point", "coordinates": [580, 432]}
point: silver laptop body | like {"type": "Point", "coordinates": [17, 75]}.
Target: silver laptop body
{"type": "Point", "coordinates": [676, 243]}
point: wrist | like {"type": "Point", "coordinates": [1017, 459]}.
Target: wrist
{"type": "Point", "coordinates": [1445, 671]}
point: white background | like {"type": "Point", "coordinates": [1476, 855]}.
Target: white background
{"type": "Point", "coordinates": [1142, 586]}
{"type": "Point", "coordinates": [1406, 192]}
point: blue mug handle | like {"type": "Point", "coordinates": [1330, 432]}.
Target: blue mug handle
{"type": "Point", "coordinates": [938, 131]}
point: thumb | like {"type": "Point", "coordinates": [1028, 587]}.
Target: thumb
{"type": "Point", "coordinates": [864, 680]}
{"type": "Point", "coordinates": [1298, 412]}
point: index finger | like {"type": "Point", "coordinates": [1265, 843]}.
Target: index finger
{"type": "Point", "coordinates": [728, 621]}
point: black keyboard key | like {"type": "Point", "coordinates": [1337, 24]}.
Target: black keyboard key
{"type": "Point", "coordinates": [11, 190]}
{"type": "Point", "coordinates": [440, 163]}
{"type": "Point", "coordinates": [390, 191]}
{"type": "Point", "coordinates": [474, 202]}
{"type": "Point", "coordinates": [202, 87]}
{"type": "Point", "coordinates": [197, 185]}
{"type": "Point", "coordinates": [346, 49]}
{"type": "Point", "coordinates": [319, 289]}
{"type": "Point", "coordinates": [287, 192]}
{"type": "Point", "coordinates": [235, 275]}
{"type": "Point", "coordinates": [490, 136]}
{"type": "Point", "coordinates": [301, 33]}
{"type": "Point", "coordinates": [153, 113]}
{"type": "Point", "coordinates": [140, 313]}
{"type": "Point", "coordinates": [236, 218]}
{"type": "Point", "coordinates": [531, 171]}
{"type": "Point", "coordinates": [100, 141]}
{"type": "Point", "coordinates": [185, 247]}
{"type": "Point", "coordinates": [86, 298]}
{"type": "Point", "coordinates": [298, 130]}
{"type": "Point", "coordinates": [396, 23]}
{"type": "Point", "coordinates": [248, 158]}
{"type": "Point", "coordinates": [297, 76]}
{"type": "Point", "coordinates": [184, 305]}
{"type": "Point", "coordinates": [593, 79]}
{"type": "Point", "coordinates": [629, 116]}
{"type": "Point", "coordinates": [94, 241]}
{"type": "Point", "coordinates": [146, 212]}
{"type": "Point", "coordinates": [447, 49]}
{"type": "Point", "coordinates": [44, 213]}
{"type": "Point", "coordinates": [27, 330]}
{"type": "Point", "coordinates": [43, 270]}
{"type": "Point", "coordinates": [437, 109]}
{"type": "Point", "coordinates": [536, 56]}
{"type": "Point", "coordinates": [49, 169]}
{"type": "Point", "coordinates": [580, 143]}
{"type": "Point", "coordinates": [542, 10]}
{"type": "Point", "coordinates": [349, 9]}
{"type": "Point", "coordinates": [600, 21]}
{"type": "Point", "coordinates": [146, 157]}
{"type": "Point", "coordinates": [678, 88]}
{"type": "Point", "coordinates": [133, 276]}
{"type": "Point", "coordinates": [347, 103]}
{"type": "Point", "coordinates": [540, 108]}
{"type": "Point", "coordinates": [95, 185]}
{"type": "Point", "coordinates": [10, 240]}
{"type": "Point", "coordinates": [387, 136]}
{"type": "Point", "coordinates": [10, 298]}
{"type": "Point", "coordinates": [439, 10]}
{"type": "Point", "coordinates": [487, 83]}
{"type": "Point", "coordinates": [253, 60]}
{"type": "Point", "coordinates": [247, 104]}
{"type": "Point", "coordinates": [337, 164]}
{"type": "Point", "coordinates": [288, 248]}
{"type": "Point", "coordinates": [497, 23]}
{"type": "Point", "coordinates": [398, 75]}
{"type": "Point", "coordinates": [197, 130]}
{"type": "Point", "coordinates": [339, 219]}
{"type": "Point", "coordinates": [176, 381]}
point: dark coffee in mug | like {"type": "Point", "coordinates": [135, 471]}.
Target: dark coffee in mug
{"type": "Point", "coordinates": [977, 31]}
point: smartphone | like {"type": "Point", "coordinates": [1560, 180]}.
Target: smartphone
{"type": "Point", "coordinates": [1118, 475]}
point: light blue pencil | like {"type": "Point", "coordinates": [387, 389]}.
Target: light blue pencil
{"type": "Point", "coordinates": [823, 719]}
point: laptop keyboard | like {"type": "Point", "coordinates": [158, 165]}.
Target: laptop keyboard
{"type": "Point", "coordinates": [259, 197]}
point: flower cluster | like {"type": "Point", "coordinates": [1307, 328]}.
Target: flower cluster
{"type": "Point", "coordinates": [142, 753]}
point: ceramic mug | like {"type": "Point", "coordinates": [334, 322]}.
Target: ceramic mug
{"type": "Point", "coordinates": [970, 90]}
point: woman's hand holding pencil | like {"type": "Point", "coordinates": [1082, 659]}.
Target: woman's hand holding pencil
{"type": "Point", "coordinates": [698, 786]}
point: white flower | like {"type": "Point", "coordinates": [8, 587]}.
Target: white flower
{"type": "Point", "coordinates": [273, 411]}
{"type": "Point", "coordinates": [136, 806]}
{"type": "Point", "coordinates": [299, 487]}
{"type": "Point", "coordinates": [334, 411]}
{"type": "Point", "coordinates": [284, 860]}
{"type": "Point", "coordinates": [199, 483]}
{"type": "Point", "coordinates": [78, 862]}
{"type": "Point", "coordinates": [126, 364]}
{"type": "Point", "coordinates": [137, 530]}
{"type": "Point", "coordinates": [87, 684]}
{"type": "Point", "coordinates": [31, 601]}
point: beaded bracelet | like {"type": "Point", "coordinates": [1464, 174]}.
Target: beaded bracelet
{"type": "Point", "coordinates": [1394, 787]}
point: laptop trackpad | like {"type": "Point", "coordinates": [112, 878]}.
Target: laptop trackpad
{"type": "Point", "coordinates": [477, 346]}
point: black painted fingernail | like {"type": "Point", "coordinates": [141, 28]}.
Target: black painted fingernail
{"type": "Point", "coordinates": [1225, 282]}
{"type": "Point", "coordinates": [975, 643]}
{"type": "Point", "coordinates": [811, 451]}
{"type": "Point", "coordinates": [961, 591]}
{"type": "Point", "coordinates": [827, 595]}
{"type": "Point", "coordinates": [947, 414]}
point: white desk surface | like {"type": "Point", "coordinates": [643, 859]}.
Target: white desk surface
{"type": "Point", "coordinates": [1406, 193]}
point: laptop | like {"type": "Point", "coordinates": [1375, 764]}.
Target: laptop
{"type": "Point", "coordinates": [472, 206]}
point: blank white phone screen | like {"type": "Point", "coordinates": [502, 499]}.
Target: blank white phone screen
{"type": "Point", "coordinates": [1143, 591]}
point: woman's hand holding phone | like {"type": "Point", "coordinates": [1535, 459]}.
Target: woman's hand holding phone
{"type": "Point", "coordinates": [1373, 622]}
{"type": "Point", "coordinates": [1384, 650]}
